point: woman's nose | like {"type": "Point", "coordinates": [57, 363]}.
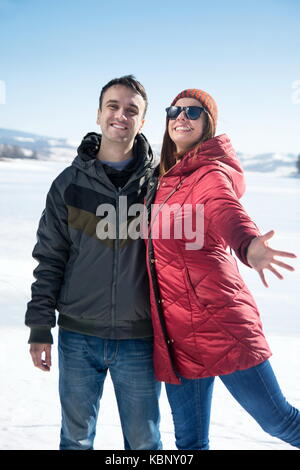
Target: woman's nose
{"type": "Point", "coordinates": [181, 116]}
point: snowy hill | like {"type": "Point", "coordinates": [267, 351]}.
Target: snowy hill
{"type": "Point", "coordinates": [18, 144]}
{"type": "Point", "coordinates": [280, 163]}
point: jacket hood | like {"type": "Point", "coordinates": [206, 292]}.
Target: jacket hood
{"type": "Point", "coordinates": [214, 154]}
{"type": "Point", "coordinates": [90, 145]}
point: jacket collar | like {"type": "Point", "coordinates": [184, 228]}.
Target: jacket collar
{"type": "Point", "coordinates": [214, 154]}
{"type": "Point", "coordinates": [90, 145]}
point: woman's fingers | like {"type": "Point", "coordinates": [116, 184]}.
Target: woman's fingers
{"type": "Point", "coordinates": [283, 253]}
{"type": "Point", "coordinates": [274, 271]}
{"type": "Point", "coordinates": [263, 279]}
{"type": "Point", "coordinates": [283, 265]}
{"type": "Point", "coordinates": [261, 256]}
{"type": "Point", "coordinates": [267, 235]}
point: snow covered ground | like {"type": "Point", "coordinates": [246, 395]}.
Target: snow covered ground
{"type": "Point", "coordinates": [29, 404]}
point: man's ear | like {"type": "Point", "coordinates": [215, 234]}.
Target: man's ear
{"type": "Point", "coordinates": [141, 126]}
{"type": "Point", "coordinates": [98, 117]}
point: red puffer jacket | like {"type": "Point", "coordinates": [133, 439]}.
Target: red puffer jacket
{"type": "Point", "coordinates": [205, 320]}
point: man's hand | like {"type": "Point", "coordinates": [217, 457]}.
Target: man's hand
{"type": "Point", "coordinates": [260, 256]}
{"type": "Point", "coordinates": [41, 356]}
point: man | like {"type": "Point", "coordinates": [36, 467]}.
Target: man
{"type": "Point", "coordinates": [96, 278]}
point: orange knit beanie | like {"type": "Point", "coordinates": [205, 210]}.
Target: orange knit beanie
{"type": "Point", "coordinates": [205, 99]}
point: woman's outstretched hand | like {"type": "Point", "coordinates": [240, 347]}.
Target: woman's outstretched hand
{"type": "Point", "coordinates": [260, 256]}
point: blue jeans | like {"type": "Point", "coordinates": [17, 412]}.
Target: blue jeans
{"type": "Point", "coordinates": [83, 364]}
{"type": "Point", "coordinates": [257, 391]}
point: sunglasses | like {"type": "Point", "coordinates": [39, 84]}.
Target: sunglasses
{"type": "Point", "coordinates": [191, 112]}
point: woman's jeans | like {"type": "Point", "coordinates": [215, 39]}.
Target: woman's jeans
{"type": "Point", "coordinates": [257, 391]}
{"type": "Point", "coordinates": [83, 364]}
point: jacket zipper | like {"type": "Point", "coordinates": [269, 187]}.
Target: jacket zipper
{"type": "Point", "coordinates": [116, 259]}
{"type": "Point", "coordinates": [115, 266]}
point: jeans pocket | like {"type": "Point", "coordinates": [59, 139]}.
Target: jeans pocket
{"type": "Point", "coordinates": [72, 344]}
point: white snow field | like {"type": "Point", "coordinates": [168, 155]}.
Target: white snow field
{"type": "Point", "coordinates": [30, 411]}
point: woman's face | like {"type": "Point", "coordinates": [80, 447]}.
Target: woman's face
{"type": "Point", "coordinates": [184, 132]}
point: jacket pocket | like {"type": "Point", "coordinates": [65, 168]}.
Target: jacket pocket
{"type": "Point", "coordinates": [199, 309]}
{"type": "Point", "coordinates": [85, 293]}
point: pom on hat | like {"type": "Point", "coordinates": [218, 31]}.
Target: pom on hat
{"type": "Point", "coordinates": [205, 99]}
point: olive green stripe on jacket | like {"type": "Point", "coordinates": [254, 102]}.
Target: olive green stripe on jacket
{"type": "Point", "coordinates": [86, 222]}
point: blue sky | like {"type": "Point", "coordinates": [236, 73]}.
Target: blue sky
{"type": "Point", "coordinates": [56, 55]}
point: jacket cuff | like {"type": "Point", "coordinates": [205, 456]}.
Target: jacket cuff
{"type": "Point", "coordinates": [243, 250]}
{"type": "Point", "coordinates": [40, 335]}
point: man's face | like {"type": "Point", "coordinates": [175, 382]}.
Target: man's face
{"type": "Point", "coordinates": [121, 114]}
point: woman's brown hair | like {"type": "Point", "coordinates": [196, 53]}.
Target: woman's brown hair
{"type": "Point", "coordinates": [169, 156]}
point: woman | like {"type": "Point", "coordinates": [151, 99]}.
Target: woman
{"type": "Point", "coordinates": [205, 320]}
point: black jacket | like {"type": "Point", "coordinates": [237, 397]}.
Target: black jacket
{"type": "Point", "coordinates": [98, 286]}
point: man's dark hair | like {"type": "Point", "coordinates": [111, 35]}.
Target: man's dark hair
{"type": "Point", "coordinates": [130, 82]}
